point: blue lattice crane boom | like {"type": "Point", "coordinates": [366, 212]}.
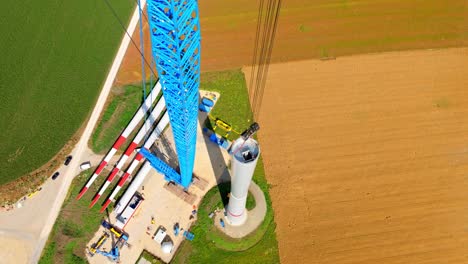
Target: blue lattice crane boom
{"type": "Point", "coordinates": [175, 40]}
{"type": "Point", "coordinates": [169, 173]}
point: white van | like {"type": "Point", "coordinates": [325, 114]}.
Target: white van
{"type": "Point", "coordinates": [85, 165]}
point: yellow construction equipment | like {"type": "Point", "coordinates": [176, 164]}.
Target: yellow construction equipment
{"type": "Point", "coordinates": [116, 233]}
{"type": "Point", "coordinates": [211, 96]}
{"type": "Point", "coordinates": [225, 126]}
{"type": "Point", "coordinates": [97, 245]}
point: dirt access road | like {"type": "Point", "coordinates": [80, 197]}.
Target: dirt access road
{"type": "Point", "coordinates": [24, 231]}
{"type": "Point", "coordinates": [368, 158]}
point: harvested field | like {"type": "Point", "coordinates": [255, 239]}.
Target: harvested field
{"type": "Point", "coordinates": [368, 157]}
{"type": "Point", "coordinates": [320, 28]}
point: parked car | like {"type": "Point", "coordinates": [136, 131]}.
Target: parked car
{"type": "Point", "coordinates": [68, 159]}
{"type": "Point", "coordinates": [56, 174]}
{"type": "Point", "coordinates": [85, 165]}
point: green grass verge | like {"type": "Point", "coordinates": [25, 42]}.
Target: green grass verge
{"type": "Point", "coordinates": [233, 105]}
{"type": "Point", "coordinates": [149, 257]}
{"type": "Point", "coordinates": [55, 56]}
{"type": "Point", "coordinates": [126, 100]}
{"type": "Point", "coordinates": [76, 224]}
{"type": "Point", "coordinates": [123, 105]}
{"type": "Point", "coordinates": [48, 253]}
{"type": "Point", "coordinates": [210, 245]}
{"type": "Point", "coordinates": [250, 204]}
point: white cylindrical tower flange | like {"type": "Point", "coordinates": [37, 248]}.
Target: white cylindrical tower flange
{"type": "Point", "coordinates": [244, 159]}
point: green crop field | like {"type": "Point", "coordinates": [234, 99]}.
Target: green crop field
{"type": "Point", "coordinates": [54, 58]}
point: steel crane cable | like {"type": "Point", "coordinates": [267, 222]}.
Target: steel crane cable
{"type": "Point", "coordinates": [143, 13]}
{"type": "Point", "coordinates": [263, 40]}
{"type": "Point", "coordinates": [153, 63]}
{"type": "Point", "coordinates": [128, 34]}
{"type": "Point", "coordinates": [143, 72]}
{"type": "Point", "coordinates": [142, 48]}
{"type": "Point", "coordinates": [254, 58]}
{"type": "Point", "coordinates": [260, 59]}
{"type": "Point", "coordinates": [268, 57]}
{"type": "Point", "coordinates": [263, 50]}
{"type": "Point", "coordinates": [259, 38]}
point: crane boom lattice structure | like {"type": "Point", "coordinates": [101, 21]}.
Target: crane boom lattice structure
{"type": "Point", "coordinates": [175, 38]}
{"type": "Point", "coordinates": [169, 173]}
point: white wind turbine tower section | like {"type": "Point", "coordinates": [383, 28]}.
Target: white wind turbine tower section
{"type": "Point", "coordinates": [244, 160]}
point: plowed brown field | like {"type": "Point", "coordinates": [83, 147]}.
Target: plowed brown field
{"type": "Point", "coordinates": [368, 158]}
{"type": "Point", "coordinates": [320, 28]}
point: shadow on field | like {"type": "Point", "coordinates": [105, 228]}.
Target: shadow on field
{"type": "Point", "coordinates": [163, 149]}
{"type": "Point", "coordinates": [220, 168]}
